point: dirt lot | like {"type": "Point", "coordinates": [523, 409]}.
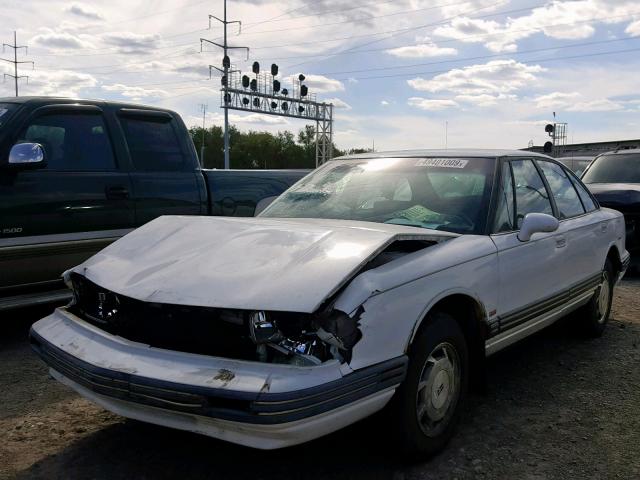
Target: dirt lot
{"type": "Point", "coordinates": [556, 406]}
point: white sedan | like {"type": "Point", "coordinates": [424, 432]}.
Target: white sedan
{"type": "Point", "coordinates": [379, 280]}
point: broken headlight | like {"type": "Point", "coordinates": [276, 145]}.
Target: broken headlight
{"type": "Point", "coordinates": [262, 329]}
{"type": "Point", "coordinates": [302, 339]}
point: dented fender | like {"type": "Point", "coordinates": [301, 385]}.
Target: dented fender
{"type": "Point", "coordinates": [396, 297]}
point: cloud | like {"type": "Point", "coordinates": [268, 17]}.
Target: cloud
{"type": "Point", "coordinates": [633, 29]}
{"type": "Point", "coordinates": [129, 42]}
{"type": "Point", "coordinates": [431, 104]}
{"type": "Point", "coordinates": [384, 103]}
{"type": "Point", "coordinates": [556, 99]}
{"type": "Point", "coordinates": [338, 103]}
{"type": "Point", "coordinates": [320, 83]}
{"type": "Point", "coordinates": [460, 8]}
{"type": "Point", "coordinates": [59, 83]}
{"type": "Point", "coordinates": [495, 77]}
{"type": "Point", "coordinates": [256, 118]}
{"type": "Point", "coordinates": [62, 40]}
{"type": "Point", "coordinates": [84, 11]}
{"type": "Point", "coordinates": [422, 50]}
{"type": "Point", "coordinates": [134, 92]}
{"type": "Point", "coordinates": [570, 102]}
{"type": "Point", "coordinates": [557, 19]}
{"type": "Point", "coordinates": [484, 100]}
{"type": "Point", "coordinates": [598, 105]}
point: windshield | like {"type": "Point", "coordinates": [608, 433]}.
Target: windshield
{"type": "Point", "coordinates": [619, 168]}
{"type": "Point", "coordinates": [449, 194]}
{"type": "Point", "coordinates": [5, 112]}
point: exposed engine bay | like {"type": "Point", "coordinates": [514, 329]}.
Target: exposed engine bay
{"type": "Point", "coordinates": [273, 337]}
{"type": "Point", "coordinates": [265, 336]}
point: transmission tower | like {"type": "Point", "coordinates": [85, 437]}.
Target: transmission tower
{"type": "Point", "coordinates": [225, 70]}
{"type": "Point", "coordinates": [15, 61]}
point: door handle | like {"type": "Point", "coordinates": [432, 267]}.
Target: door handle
{"type": "Point", "coordinates": [117, 192]}
{"type": "Point", "coordinates": [561, 241]}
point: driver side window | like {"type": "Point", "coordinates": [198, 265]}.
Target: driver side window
{"type": "Point", "coordinates": [531, 194]}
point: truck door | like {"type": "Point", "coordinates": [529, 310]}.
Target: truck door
{"type": "Point", "coordinates": [165, 175]}
{"type": "Point", "coordinates": [59, 215]}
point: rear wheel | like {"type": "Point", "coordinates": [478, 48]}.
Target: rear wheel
{"type": "Point", "coordinates": [425, 410]}
{"type": "Point", "coordinates": [594, 316]}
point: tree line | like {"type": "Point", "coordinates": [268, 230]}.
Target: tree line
{"type": "Point", "coordinates": [254, 149]}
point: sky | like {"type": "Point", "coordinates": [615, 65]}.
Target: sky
{"type": "Point", "coordinates": [401, 74]}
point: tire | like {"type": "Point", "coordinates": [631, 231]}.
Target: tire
{"type": "Point", "coordinates": [593, 317]}
{"type": "Point", "coordinates": [435, 386]}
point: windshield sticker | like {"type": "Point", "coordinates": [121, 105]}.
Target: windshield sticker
{"type": "Point", "coordinates": [418, 214]}
{"type": "Point", "coordinates": [442, 162]}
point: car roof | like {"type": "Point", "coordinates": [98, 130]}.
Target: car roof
{"type": "Point", "coordinates": [581, 158]}
{"type": "Point", "coordinates": [622, 151]}
{"type": "Point", "coordinates": [457, 153]}
{"type": "Point", "coordinates": [43, 100]}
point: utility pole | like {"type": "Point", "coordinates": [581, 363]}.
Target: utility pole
{"type": "Point", "coordinates": [15, 61]}
{"type": "Point", "coordinates": [203, 106]}
{"type": "Point", "coordinates": [446, 135]}
{"type": "Point", "coordinates": [226, 64]}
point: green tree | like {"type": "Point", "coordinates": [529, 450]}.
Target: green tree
{"type": "Point", "coordinates": [258, 149]}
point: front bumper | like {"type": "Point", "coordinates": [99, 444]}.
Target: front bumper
{"type": "Point", "coordinates": [251, 403]}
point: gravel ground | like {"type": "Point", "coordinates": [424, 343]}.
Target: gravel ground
{"type": "Point", "coordinates": [556, 407]}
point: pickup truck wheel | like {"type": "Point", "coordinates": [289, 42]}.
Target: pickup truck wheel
{"type": "Point", "coordinates": [593, 317]}
{"type": "Point", "coordinates": [425, 409]}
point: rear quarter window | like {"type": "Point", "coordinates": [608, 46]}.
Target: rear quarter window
{"type": "Point", "coordinates": [6, 110]}
{"type": "Point", "coordinates": [153, 144]}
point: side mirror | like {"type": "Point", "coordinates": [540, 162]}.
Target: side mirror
{"type": "Point", "coordinates": [263, 204]}
{"type": "Point", "coordinates": [26, 155]}
{"type": "Point", "coordinates": [536, 223]}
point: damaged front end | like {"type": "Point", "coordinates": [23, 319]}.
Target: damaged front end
{"type": "Point", "coordinates": [293, 338]}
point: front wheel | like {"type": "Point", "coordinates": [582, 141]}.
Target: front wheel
{"type": "Point", "coordinates": [425, 410]}
{"type": "Point", "coordinates": [594, 316]}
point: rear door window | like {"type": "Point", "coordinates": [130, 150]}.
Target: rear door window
{"type": "Point", "coordinates": [586, 198]}
{"type": "Point", "coordinates": [153, 144]}
{"type": "Point", "coordinates": [72, 141]}
{"type": "Point", "coordinates": [565, 196]}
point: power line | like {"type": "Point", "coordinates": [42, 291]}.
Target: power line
{"type": "Point", "coordinates": [15, 61]}
{"type": "Point", "coordinates": [484, 57]}
{"type": "Point", "coordinates": [528, 60]}
{"type": "Point", "coordinates": [248, 26]}
{"type": "Point", "coordinates": [543, 60]}
{"type": "Point", "coordinates": [426, 25]}
{"type": "Point", "coordinates": [457, 39]}
{"type": "Point", "coordinates": [439, 42]}
{"type": "Point", "coordinates": [154, 14]}
{"type": "Point", "coordinates": [455, 60]}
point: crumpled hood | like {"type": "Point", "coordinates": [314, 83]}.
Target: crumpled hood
{"type": "Point", "coordinates": [242, 263]}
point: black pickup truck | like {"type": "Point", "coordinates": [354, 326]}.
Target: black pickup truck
{"type": "Point", "coordinates": [76, 175]}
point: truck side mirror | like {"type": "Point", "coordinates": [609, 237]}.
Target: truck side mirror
{"type": "Point", "coordinates": [26, 155]}
{"type": "Point", "coordinates": [537, 223]}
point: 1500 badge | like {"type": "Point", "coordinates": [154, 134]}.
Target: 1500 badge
{"type": "Point", "coordinates": [11, 231]}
